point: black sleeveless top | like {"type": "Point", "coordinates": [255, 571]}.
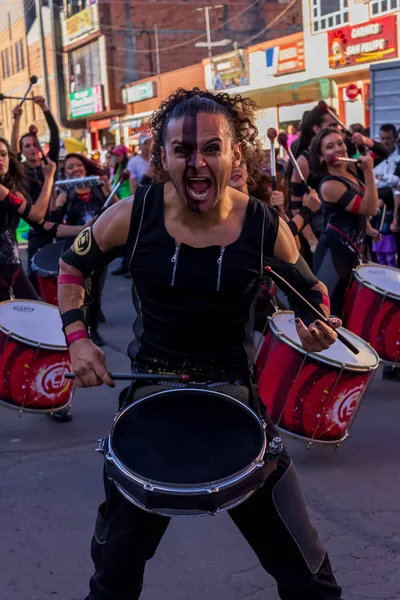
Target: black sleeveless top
{"type": "Point", "coordinates": [195, 305]}
{"type": "Point", "coordinates": [354, 226]}
{"type": "Point", "coordinates": [79, 209]}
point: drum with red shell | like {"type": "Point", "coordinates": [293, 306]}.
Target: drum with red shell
{"type": "Point", "coordinates": [374, 310]}
{"type": "Point", "coordinates": [33, 358]}
{"type": "Point", "coordinates": [312, 396]}
{"type": "Point", "coordinates": [45, 265]}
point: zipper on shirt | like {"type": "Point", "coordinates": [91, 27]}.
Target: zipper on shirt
{"type": "Point", "coordinates": [174, 260]}
{"type": "Point", "coordinates": [219, 262]}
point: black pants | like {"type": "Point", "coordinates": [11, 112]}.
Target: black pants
{"type": "Point", "coordinates": [333, 265]}
{"type": "Point", "coordinates": [273, 520]}
{"type": "Point", "coordinates": [22, 287]}
{"type": "Point", "coordinates": [97, 284]}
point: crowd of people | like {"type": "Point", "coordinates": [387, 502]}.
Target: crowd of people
{"type": "Point", "coordinates": [210, 213]}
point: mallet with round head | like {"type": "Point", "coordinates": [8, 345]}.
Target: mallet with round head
{"type": "Point", "coordinates": [283, 141]}
{"type": "Point", "coordinates": [272, 134]}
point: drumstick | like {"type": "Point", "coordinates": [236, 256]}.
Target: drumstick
{"type": "Point", "coordinates": [134, 376]}
{"type": "Point", "coordinates": [283, 141]}
{"type": "Point", "coordinates": [4, 97]}
{"type": "Point", "coordinates": [272, 134]}
{"type": "Point", "coordinates": [125, 175]}
{"type": "Point", "coordinates": [332, 159]}
{"type": "Point", "coordinates": [33, 80]}
{"type": "Point", "coordinates": [325, 110]}
{"type": "Point", "coordinates": [312, 308]}
{"type": "Point", "coordinates": [33, 131]}
{"type": "Point", "coordinates": [382, 219]}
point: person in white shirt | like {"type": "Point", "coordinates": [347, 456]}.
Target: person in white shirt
{"type": "Point", "coordinates": [139, 164]}
{"type": "Point", "coordinates": [385, 171]}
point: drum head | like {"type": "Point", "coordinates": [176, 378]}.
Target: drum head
{"type": "Point", "coordinates": [187, 436]}
{"type": "Point", "coordinates": [46, 259]}
{"type": "Point", "coordinates": [33, 323]}
{"type": "Point", "coordinates": [283, 322]}
{"type": "Point", "coordinates": [382, 277]}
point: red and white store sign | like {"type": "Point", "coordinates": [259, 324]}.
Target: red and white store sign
{"type": "Point", "coordinates": [352, 91]}
{"type": "Point", "coordinates": [363, 43]}
{"type": "Point", "coordinates": [291, 58]}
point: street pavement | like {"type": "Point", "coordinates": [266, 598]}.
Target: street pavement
{"type": "Point", "coordinates": [51, 485]}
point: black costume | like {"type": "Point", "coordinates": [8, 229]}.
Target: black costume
{"type": "Point", "coordinates": [195, 310]}
{"type": "Point", "coordinates": [37, 240]}
{"type": "Point", "coordinates": [79, 209]}
{"type": "Point", "coordinates": [340, 246]}
{"type": "Point", "coordinates": [11, 272]}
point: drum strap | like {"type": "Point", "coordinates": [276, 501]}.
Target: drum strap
{"type": "Point", "coordinates": [9, 286]}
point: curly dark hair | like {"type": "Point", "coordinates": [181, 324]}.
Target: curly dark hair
{"type": "Point", "coordinates": [91, 167]}
{"type": "Point", "coordinates": [15, 179]}
{"type": "Point", "coordinates": [238, 111]}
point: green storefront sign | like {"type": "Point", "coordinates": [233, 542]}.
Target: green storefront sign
{"type": "Point", "coordinates": [86, 102]}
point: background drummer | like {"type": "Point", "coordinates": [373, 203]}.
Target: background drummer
{"type": "Point", "coordinates": [197, 249]}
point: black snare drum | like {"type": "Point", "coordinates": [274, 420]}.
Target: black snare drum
{"type": "Point", "coordinates": [188, 452]}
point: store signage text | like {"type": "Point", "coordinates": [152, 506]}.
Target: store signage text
{"type": "Point", "coordinates": [369, 42]}
{"type": "Point", "coordinates": [137, 93]}
{"type": "Point", "coordinates": [291, 58]}
{"type": "Point", "coordinates": [79, 24]}
{"type": "Point", "coordinates": [86, 102]}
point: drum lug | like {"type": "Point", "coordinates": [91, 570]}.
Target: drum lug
{"type": "Point", "coordinates": [101, 446]}
{"type": "Point", "coordinates": [275, 447]}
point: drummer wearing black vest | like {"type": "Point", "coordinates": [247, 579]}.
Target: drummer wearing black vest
{"type": "Point", "coordinates": [197, 250]}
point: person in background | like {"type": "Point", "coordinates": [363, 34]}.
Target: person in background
{"type": "Point", "coordinates": [385, 170]}
{"type": "Point", "coordinates": [384, 247]}
{"type": "Point", "coordinates": [109, 166]}
{"type": "Point", "coordinates": [139, 164]}
{"type": "Point", "coordinates": [78, 206]}
{"type": "Point", "coordinates": [26, 147]}
{"type": "Point", "coordinates": [292, 135]}
{"type": "Point", "coordinates": [121, 154]}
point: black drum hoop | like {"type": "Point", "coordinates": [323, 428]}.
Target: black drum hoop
{"type": "Point", "coordinates": [55, 252]}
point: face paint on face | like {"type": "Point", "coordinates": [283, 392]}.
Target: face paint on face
{"type": "Point", "coordinates": [189, 140]}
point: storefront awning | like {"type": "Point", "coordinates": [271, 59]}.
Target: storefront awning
{"type": "Point", "coordinates": [288, 93]}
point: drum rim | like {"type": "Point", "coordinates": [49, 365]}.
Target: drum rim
{"type": "Point", "coordinates": [188, 489]}
{"type": "Point", "coordinates": [27, 341]}
{"type": "Point", "coordinates": [44, 272]}
{"type": "Point", "coordinates": [323, 359]}
{"type": "Point", "coordinates": [372, 286]}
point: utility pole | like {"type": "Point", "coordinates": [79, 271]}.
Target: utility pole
{"type": "Point", "coordinates": [208, 28]}
{"type": "Point", "coordinates": [131, 71]}
{"type": "Point", "coordinates": [43, 49]}
{"type": "Point", "coordinates": [157, 44]}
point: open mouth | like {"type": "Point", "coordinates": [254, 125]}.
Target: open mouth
{"type": "Point", "coordinates": [198, 188]}
{"type": "Point", "coordinates": [236, 177]}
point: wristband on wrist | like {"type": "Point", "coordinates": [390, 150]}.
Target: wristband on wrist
{"type": "Point", "coordinates": [72, 316]}
{"type": "Point", "coordinates": [293, 228]}
{"type": "Point", "coordinates": [76, 335]}
{"type": "Point", "coordinates": [326, 301]}
{"type": "Point", "coordinates": [307, 214]}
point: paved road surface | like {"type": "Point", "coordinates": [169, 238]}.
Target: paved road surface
{"type": "Point", "coordinates": [51, 485]}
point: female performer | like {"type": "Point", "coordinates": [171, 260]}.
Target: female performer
{"type": "Point", "coordinates": [13, 206]}
{"type": "Point", "coordinates": [349, 196]}
{"type": "Point", "coordinates": [78, 206]}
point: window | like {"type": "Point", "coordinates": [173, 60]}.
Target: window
{"type": "Point", "coordinates": [75, 6]}
{"type": "Point", "coordinates": [7, 63]}
{"type": "Point", "coordinates": [22, 54]}
{"type": "Point", "coordinates": [84, 67]}
{"type": "Point", "coordinates": [12, 60]}
{"type": "Point", "coordinates": [17, 61]}
{"type": "Point", "coordinates": [3, 65]}
{"type": "Point", "coordinates": [328, 14]}
{"type": "Point", "coordinates": [381, 7]}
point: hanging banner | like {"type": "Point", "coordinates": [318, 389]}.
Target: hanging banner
{"type": "Point", "coordinates": [363, 43]}
{"type": "Point", "coordinates": [230, 70]}
{"type": "Point", "coordinates": [291, 58]}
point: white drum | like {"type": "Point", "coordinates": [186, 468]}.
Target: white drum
{"type": "Point", "coordinates": [34, 358]}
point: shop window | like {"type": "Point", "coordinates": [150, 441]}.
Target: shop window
{"type": "Point", "coordinates": [75, 6]}
{"type": "Point", "coordinates": [85, 67]}
{"type": "Point", "coordinates": [328, 14]}
{"type": "Point", "coordinates": [380, 7]}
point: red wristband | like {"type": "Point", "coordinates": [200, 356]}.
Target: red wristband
{"type": "Point", "coordinates": [326, 301]}
{"type": "Point", "coordinates": [72, 279]}
{"type": "Point", "coordinates": [76, 335]}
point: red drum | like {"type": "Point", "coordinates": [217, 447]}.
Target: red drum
{"type": "Point", "coordinates": [45, 264]}
{"type": "Point", "coordinates": [33, 358]}
{"type": "Point", "coordinates": [312, 396]}
{"type": "Point", "coordinates": [373, 311]}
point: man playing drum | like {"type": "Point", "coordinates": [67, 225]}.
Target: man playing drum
{"type": "Point", "coordinates": [197, 250]}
